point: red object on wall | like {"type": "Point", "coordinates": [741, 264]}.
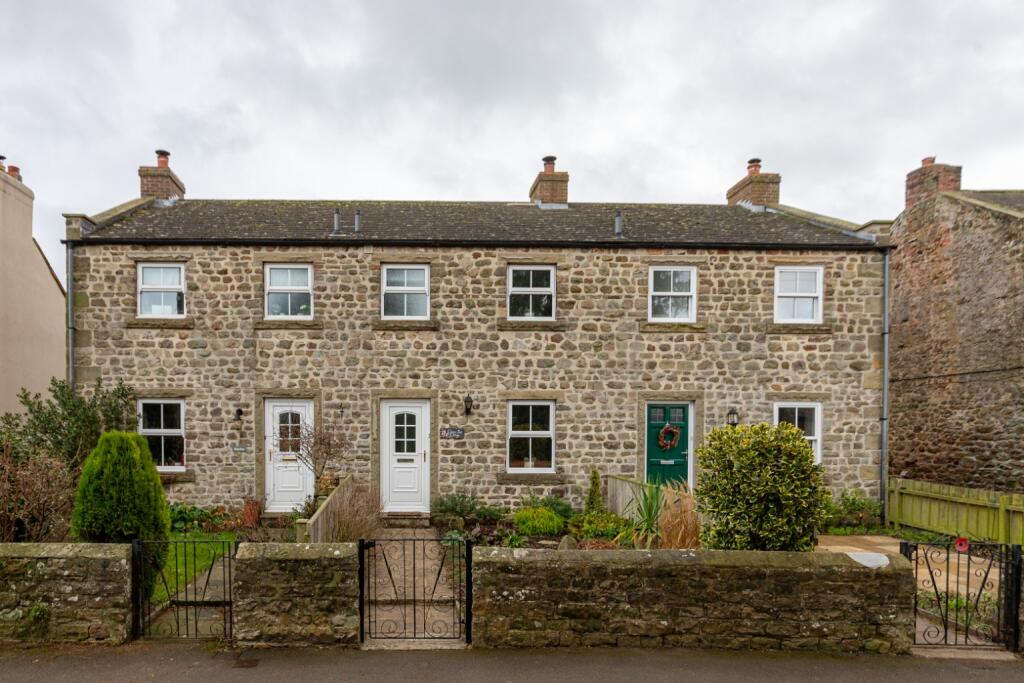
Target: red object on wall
{"type": "Point", "coordinates": [962, 544]}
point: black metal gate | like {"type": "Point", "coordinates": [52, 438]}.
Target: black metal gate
{"type": "Point", "coordinates": [968, 594]}
{"type": "Point", "coordinates": [182, 589]}
{"type": "Point", "coordinates": [419, 588]}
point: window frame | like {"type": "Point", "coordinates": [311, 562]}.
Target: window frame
{"type": "Point", "coordinates": [552, 290]}
{"type": "Point", "coordinates": [180, 402]}
{"type": "Point", "coordinates": [817, 440]}
{"type": "Point", "coordinates": [510, 434]}
{"type": "Point", "coordinates": [268, 290]}
{"type": "Point", "coordinates": [140, 288]}
{"type": "Point", "coordinates": [692, 270]}
{"type": "Point", "coordinates": [819, 272]}
{"type": "Point", "coordinates": [392, 289]}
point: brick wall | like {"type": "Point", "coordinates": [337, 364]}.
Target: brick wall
{"type": "Point", "coordinates": [600, 360]}
{"type": "Point", "coordinates": [679, 598]}
{"type": "Point", "coordinates": [957, 356]}
{"type": "Point", "coordinates": [296, 594]}
{"type": "Point", "coordinates": [65, 592]}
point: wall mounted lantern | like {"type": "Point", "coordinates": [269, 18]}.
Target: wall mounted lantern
{"type": "Point", "coordinates": [732, 418]}
{"type": "Point", "coordinates": [468, 404]}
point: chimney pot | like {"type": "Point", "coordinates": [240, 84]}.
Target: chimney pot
{"type": "Point", "coordinates": [14, 171]}
{"type": "Point", "coordinates": [550, 186]}
{"type": "Point", "coordinates": [756, 188]}
{"type": "Point", "coordinates": [2, 160]}
{"type": "Point", "coordinates": [927, 161]}
{"type": "Point", "coordinates": [162, 156]}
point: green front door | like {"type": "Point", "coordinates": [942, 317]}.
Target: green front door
{"type": "Point", "coordinates": [669, 462]}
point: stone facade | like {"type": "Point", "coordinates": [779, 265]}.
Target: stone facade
{"type": "Point", "coordinates": [292, 594]}
{"type": "Point", "coordinates": [957, 327]}
{"type": "Point", "coordinates": [65, 592]}
{"type": "Point", "coordinates": [679, 598]}
{"type": "Point", "coordinates": [600, 360]}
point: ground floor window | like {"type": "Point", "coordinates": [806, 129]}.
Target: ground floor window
{"type": "Point", "coordinates": [806, 417]}
{"type": "Point", "coordinates": [162, 423]}
{"type": "Point", "coordinates": [531, 436]}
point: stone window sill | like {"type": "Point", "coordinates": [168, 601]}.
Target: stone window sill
{"type": "Point", "coordinates": [533, 325]}
{"type": "Point", "coordinates": [289, 325]}
{"type": "Point", "coordinates": [161, 323]}
{"type": "Point", "coordinates": [186, 477]}
{"type": "Point", "coordinates": [407, 325]}
{"type": "Point", "coordinates": [529, 478]}
{"type": "Point", "coordinates": [776, 328]}
{"type": "Point", "coordinates": [672, 328]}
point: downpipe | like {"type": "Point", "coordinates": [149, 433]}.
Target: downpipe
{"type": "Point", "coordinates": [70, 314]}
{"type": "Point", "coordinates": [883, 478]}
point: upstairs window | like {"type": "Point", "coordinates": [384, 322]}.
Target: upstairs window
{"type": "Point", "coordinates": [162, 424]}
{"type": "Point", "coordinates": [405, 292]}
{"type": "Point", "coordinates": [672, 294]}
{"type": "Point", "coordinates": [531, 436]}
{"type": "Point", "coordinates": [161, 289]}
{"type": "Point", "coordinates": [798, 294]}
{"type": "Point", "coordinates": [806, 417]}
{"type": "Point", "coordinates": [289, 292]}
{"type": "Point", "coordinates": [531, 292]}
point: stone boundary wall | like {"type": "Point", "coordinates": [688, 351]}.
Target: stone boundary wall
{"type": "Point", "coordinates": [65, 592]}
{"type": "Point", "coordinates": [296, 594]}
{"type": "Point", "coordinates": [683, 598]}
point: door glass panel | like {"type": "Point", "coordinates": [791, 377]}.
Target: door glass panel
{"type": "Point", "coordinates": [657, 414]}
{"type": "Point", "coordinates": [405, 433]}
{"type": "Point", "coordinates": [678, 414]}
{"type": "Point", "coordinates": [288, 432]}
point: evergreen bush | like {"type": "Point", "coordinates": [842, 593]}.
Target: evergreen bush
{"type": "Point", "coordinates": [595, 502]}
{"type": "Point", "coordinates": [120, 499]}
{"type": "Point", "coordinates": [759, 489]}
{"type": "Point", "coordinates": [538, 521]}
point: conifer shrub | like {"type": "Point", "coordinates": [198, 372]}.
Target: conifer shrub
{"type": "Point", "coordinates": [120, 499]}
{"type": "Point", "coordinates": [595, 502]}
{"type": "Point", "coordinates": [538, 522]}
{"type": "Point", "coordinates": [759, 489]}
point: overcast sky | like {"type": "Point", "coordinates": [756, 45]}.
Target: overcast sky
{"type": "Point", "coordinates": [641, 101]}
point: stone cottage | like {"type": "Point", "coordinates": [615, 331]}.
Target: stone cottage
{"type": "Point", "coordinates": [497, 347]}
{"type": "Point", "coordinates": [958, 333]}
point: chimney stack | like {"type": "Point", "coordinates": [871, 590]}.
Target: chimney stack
{"type": "Point", "coordinates": [757, 188]}
{"type": "Point", "coordinates": [159, 181]}
{"type": "Point", "coordinates": [930, 180]}
{"type": "Point", "coordinates": [550, 186]}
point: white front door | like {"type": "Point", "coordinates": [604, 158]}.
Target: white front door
{"type": "Point", "coordinates": [289, 481]}
{"type": "Point", "coordinates": [405, 456]}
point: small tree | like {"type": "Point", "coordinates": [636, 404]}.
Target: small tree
{"type": "Point", "coordinates": [759, 489]}
{"type": "Point", "coordinates": [67, 425]}
{"type": "Point", "coordinates": [36, 492]}
{"type": "Point", "coordinates": [319, 448]}
{"type": "Point", "coordinates": [120, 499]}
{"type": "Point", "coordinates": [594, 502]}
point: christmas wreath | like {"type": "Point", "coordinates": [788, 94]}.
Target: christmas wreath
{"type": "Point", "coordinates": [668, 437]}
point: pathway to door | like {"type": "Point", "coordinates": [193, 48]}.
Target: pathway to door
{"type": "Point", "coordinates": [414, 591]}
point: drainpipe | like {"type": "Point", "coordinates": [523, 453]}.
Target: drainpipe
{"type": "Point", "coordinates": [883, 478]}
{"type": "Point", "coordinates": [70, 316]}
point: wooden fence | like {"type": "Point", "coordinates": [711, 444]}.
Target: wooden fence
{"type": "Point", "coordinates": [956, 510]}
{"type": "Point", "coordinates": [620, 495]}
{"type": "Point", "coordinates": [317, 529]}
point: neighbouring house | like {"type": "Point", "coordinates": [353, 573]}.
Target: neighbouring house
{"type": "Point", "coordinates": [32, 333]}
{"type": "Point", "coordinates": [496, 347]}
{"type": "Point", "coordinates": [957, 367]}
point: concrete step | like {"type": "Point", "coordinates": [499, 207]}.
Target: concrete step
{"type": "Point", "coordinates": [407, 520]}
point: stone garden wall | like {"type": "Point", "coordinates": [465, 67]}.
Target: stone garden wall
{"type": "Point", "coordinates": [716, 599]}
{"type": "Point", "coordinates": [65, 592]}
{"type": "Point", "coordinates": [296, 594]}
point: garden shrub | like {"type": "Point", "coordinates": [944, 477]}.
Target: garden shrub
{"type": "Point", "coordinates": [560, 506]}
{"type": "Point", "coordinates": [458, 504]}
{"type": "Point", "coordinates": [189, 518]}
{"type": "Point", "coordinates": [36, 493]}
{"type": "Point", "coordinates": [759, 489]}
{"type": "Point", "coordinates": [358, 516]}
{"type": "Point", "coordinates": [852, 509]}
{"type": "Point", "coordinates": [120, 498]}
{"type": "Point", "coordinates": [488, 514]}
{"type": "Point", "coordinates": [67, 425]}
{"type": "Point", "coordinates": [601, 524]}
{"type": "Point", "coordinates": [595, 502]}
{"type": "Point", "coordinates": [537, 521]}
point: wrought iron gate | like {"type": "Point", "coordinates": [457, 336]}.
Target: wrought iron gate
{"type": "Point", "coordinates": [420, 588]}
{"type": "Point", "coordinates": [968, 594]}
{"type": "Point", "coordinates": [182, 589]}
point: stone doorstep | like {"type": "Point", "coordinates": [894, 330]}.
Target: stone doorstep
{"type": "Point", "coordinates": [406, 520]}
{"type": "Point", "coordinates": [414, 644]}
{"type": "Point", "coordinates": [996, 654]}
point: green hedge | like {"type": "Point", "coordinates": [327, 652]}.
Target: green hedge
{"type": "Point", "coordinates": [759, 489]}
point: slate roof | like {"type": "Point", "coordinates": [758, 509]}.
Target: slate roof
{"type": "Point", "coordinates": [1011, 199]}
{"type": "Point", "coordinates": [468, 223]}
